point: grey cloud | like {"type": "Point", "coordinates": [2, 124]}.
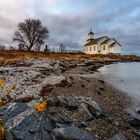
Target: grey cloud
{"type": "Point", "coordinates": [119, 19]}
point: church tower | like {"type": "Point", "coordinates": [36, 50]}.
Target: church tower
{"type": "Point", "coordinates": [90, 36]}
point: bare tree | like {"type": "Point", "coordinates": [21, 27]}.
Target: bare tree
{"type": "Point", "coordinates": [31, 33]}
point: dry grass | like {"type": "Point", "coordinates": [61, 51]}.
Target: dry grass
{"type": "Point", "coordinates": [9, 57]}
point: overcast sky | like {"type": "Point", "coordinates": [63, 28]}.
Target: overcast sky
{"type": "Point", "coordinates": [69, 21]}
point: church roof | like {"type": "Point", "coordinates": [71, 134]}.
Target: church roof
{"type": "Point", "coordinates": [94, 41]}
{"type": "Point", "coordinates": [113, 44]}
{"type": "Point", "coordinates": [105, 41]}
{"type": "Point", "coordinates": [91, 33]}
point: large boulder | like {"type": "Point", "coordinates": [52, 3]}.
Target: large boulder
{"type": "Point", "coordinates": [71, 133]}
{"type": "Point", "coordinates": [24, 122]}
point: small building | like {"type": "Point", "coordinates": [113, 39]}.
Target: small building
{"type": "Point", "coordinates": [101, 45]}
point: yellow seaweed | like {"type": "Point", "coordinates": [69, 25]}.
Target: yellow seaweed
{"type": "Point", "coordinates": [1, 102]}
{"type": "Point", "coordinates": [41, 107]}
{"type": "Point", "coordinates": [1, 132]}
{"type": "Point", "coordinates": [2, 83]}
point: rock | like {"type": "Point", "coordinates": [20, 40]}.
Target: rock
{"type": "Point", "coordinates": [58, 117]}
{"type": "Point", "coordinates": [118, 136]}
{"type": "Point", "coordinates": [84, 125]}
{"type": "Point", "coordinates": [53, 101]}
{"type": "Point", "coordinates": [91, 63]}
{"type": "Point", "coordinates": [11, 110]}
{"type": "Point", "coordinates": [83, 110]}
{"type": "Point", "coordinates": [24, 122]}
{"type": "Point", "coordinates": [69, 102]}
{"type": "Point", "coordinates": [101, 81]}
{"type": "Point", "coordinates": [117, 123]}
{"type": "Point", "coordinates": [135, 124]}
{"type": "Point", "coordinates": [72, 65]}
{"type": "Point", "coordinates": [61, 125]}
{"type": "Point", "coordinates": [134, 121]}
{"type": "Point", "coordinates": [94, 108]}
{"type": "Point", "coordinates": [92, 68]}
{"type": "Point", "coordinates": [138, 111]}
{"type": "Point", "coordinates": [64, 83]}
{"type": "Point", "coordinates": [8, 135]}
{"type": "Point", "coordinates": [71, 133]}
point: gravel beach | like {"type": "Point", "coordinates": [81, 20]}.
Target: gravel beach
{"type": "Point", "coordinates": [91, 104]}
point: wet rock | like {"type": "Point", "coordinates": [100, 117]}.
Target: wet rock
{"type": "Point", "coordinates": [71, 133]}
{"type": "Point", "coordinates": [69, 102]}
{"type": "Point", "coordinates": [83, 110]}
{"type": "Point", "coordinates": [118, 136]}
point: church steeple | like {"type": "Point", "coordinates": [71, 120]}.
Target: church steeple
{"type": "Point", "coordinates": [90, 35]}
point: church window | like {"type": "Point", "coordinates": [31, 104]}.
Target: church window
{"type": "Point", "coordinates": [94, 48]}
{"type": "Point", "coordinates": [103, 47]}
{"type": "Point", "coordinates": [89, 48]}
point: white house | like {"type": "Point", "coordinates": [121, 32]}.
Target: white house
{"type": "Point", "coordinates": [102, 45]}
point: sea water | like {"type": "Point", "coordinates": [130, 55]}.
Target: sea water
{"type": "Point", "coordinates": [125, 77]}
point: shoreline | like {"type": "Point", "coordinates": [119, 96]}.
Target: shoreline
{"type": "Point", "coordinates": [112, 118]}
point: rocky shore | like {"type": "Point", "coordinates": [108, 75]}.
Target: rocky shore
{"type": "Point", "coordinates": [76, 108]}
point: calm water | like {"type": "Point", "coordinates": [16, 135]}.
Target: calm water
{"type": "Point", "coordinates": [125, 77]}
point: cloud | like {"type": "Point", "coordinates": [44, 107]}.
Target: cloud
{"type": "Point", "coordinates": [70, 21]}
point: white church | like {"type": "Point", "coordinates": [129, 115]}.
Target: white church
{"type": "Point", "coordinates": [102, 45]}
